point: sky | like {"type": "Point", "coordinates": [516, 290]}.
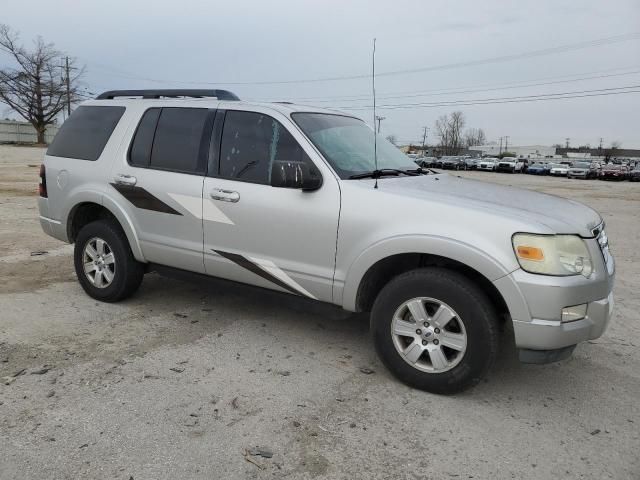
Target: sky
{"type": "Point", "coordinates": [462, 51]}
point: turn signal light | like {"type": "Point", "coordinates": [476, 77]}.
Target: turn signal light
{"type": "Point", "coordinates": [530, 253]}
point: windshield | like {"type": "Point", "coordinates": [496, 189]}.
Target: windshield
{"type": "Point", "coordinates": [581, 165]}
{"type": "Point", "coordinates": [347, 144]}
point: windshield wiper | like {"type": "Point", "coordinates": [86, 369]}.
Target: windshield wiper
{"type": "Point", "coordinates": [382, 172]}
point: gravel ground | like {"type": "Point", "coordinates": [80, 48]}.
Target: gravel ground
{"type": "Point", "coordinates": [185, 381]}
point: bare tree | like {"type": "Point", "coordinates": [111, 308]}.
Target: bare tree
{"type": "Point", "coordinates": [393, 139]}
{"type": "Point", "coordinates": [474, 136]}
{"type": "Point", "coordinates": [36, 87]}
{"type": "Point", "coordinates": [611, 151]}
{"type": "Point", "coordinates": [449, 130]}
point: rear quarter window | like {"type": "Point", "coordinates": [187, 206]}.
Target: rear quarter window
{"type": "Point", "coordinates": [86, 132]}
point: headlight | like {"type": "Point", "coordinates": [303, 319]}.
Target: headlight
{"type": "Point", "coordinates": [552, 254]}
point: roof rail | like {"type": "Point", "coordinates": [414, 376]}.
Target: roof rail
{"type": "Point", "coordinates": [170, 92]}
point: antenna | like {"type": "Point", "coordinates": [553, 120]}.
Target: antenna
{"type": "Point", "coordinates": [373, 88]}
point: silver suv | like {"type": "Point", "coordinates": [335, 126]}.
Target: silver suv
{"type": "Point", "coordinates": [290, 198]}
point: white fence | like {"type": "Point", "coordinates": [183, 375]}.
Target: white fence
{"type": "Point", "coordinates": [22, 132]}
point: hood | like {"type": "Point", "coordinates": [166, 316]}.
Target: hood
{"type": "Point", "coordinates": [549, 213]}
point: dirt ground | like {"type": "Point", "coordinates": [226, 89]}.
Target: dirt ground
{"type": "Point", "coordinates": [182, 379]}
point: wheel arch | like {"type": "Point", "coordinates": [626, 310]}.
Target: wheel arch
{"type": "Point", "coordinates": [87, 211]}
{"type": "Point", "coordinates": [376, 266]}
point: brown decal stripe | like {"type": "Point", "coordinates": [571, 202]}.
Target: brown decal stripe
{"type": "Point", "coordinates": [252, 267]}
{"type": "Point", "coordinates": [140, 198]}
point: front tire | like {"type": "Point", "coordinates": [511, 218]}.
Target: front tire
{"type": "Point", "coordinates": [104, 263]}
{"type": "Point", "coordinates": [435, 330]}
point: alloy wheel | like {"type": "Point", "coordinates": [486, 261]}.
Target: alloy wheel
{"type": "Point", "coordinates": [98, 262]}
{"type": "Point", "coordinates": [429, 335]}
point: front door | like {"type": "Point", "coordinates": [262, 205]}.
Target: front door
{"type": "Point", "coordinates": [277, 238]}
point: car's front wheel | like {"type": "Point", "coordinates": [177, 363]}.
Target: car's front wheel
{"type": "Point", "coordinates": [435, 330]}
{"type": "Point", "coordinates": [104, 263]}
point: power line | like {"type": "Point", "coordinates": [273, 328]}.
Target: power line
{"type": "Point", "coordinates": [506, 87]}
{"type": "Point", "coordinates": [492, 84]}
{"type": "Point", "coordinates": [499, 59]}
{"type": "Point", "coordinates": [518, 99]}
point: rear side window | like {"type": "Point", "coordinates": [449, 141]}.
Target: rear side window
{"type": "Point", "coordinates": [179, 143]}
{"type": "Point", "coordinates": [86, 132]}
{"type": "Point", "coordinates": [175, 139]}
{"type": "Point", "coordinates": [140, 152]}
{"type": "Point", "coordinates": [251, 142]}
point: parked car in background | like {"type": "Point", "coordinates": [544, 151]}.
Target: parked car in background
{"type": "Point", "coordinates": [614, 172]}
{"type": "Point", "coordinates": [584, 170]}
{"type": "Point", "coordinates": [559, 169]}
{"type": "Point", "coordinates": [510, 164]}
{"type": "Point", "coordinates": [451, 163]}
{"type": "Point", "coordinates": [488, 163]}
{"type": "Point", "coordinates": [471, 163]}
{"type": "Point", "coordinates": [634, 175]}
{"type": "Point", "coordinates": [426, 162]}
{"type": "Point", "coordinates": [538, 169]}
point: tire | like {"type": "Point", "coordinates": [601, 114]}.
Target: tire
{"type": "Point", "coordinates": [474, 318]}
{"type": "Point", "coordinates": [115, 262]}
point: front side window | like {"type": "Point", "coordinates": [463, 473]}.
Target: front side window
{"type": "Point", "coordinates": [251, 142]}
{"type": "Point", "coordinates": [348, 144]}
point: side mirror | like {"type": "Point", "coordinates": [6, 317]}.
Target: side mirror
{"type": "Point", "coordinates": [300, 175]}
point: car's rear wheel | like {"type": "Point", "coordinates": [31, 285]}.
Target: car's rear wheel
{"type": "Point", "coordinates": [104, 263]}
{"type": "Point", "coordinates": [435, 330]}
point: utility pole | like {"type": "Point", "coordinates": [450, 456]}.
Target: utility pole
{"type": "Point", "coordinates": [500, 152]}
{"type": "Point", "coordinates": [600, 147]}
{"type": "Point", "coordinates": [68, 82]}
{"type": "Point", "coordinates": [379, 119]}
{"type": "Point", "coordinates": [567, 140]}
{"type": "Point", "coordinates": [424, 137]}
{"type": "Point", "coordinates": [506, 143]}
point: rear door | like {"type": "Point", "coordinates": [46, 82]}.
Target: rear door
{"type": "Point", "coordinates": [159, 178]}
{"type": "Point", "coordinates": [277, 238]}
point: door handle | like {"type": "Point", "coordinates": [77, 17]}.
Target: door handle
{"type": "Point", "coordinates": [224, 195]}
{"type": "Point", "coordinates": [122, 179]}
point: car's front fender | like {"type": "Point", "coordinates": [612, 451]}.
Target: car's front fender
{"type": "Point", "coordinates": [485, 264]}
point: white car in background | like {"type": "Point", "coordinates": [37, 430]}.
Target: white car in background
{"type": "Point", "coordinates": [559, 170]}
{"type": "Point", "coordinates": [488, 163]}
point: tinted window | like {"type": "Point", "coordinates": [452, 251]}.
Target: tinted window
{"type": "Point", "coordinates": [86, 132]}
{"type": "Point", "coordinates": [251, 142]}
{"type": "Point", "coordinates": [140, 151]}
{"type": "Point", "coordinates": [179, 143]}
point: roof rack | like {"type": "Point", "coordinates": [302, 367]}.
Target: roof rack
{"type": "Point", "coordinates": [170, 92]}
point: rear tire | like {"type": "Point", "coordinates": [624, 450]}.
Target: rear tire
{"type": "Point", "coordinates": [467, 341]}
{"type": "Point", "coordinates": [104, 263]}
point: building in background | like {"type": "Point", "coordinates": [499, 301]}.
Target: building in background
{"type": "Point", "coordinates": [524, 151]}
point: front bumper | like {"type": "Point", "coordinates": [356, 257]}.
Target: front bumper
{"type": "Point", "coordinates": [536, 302]}
{"type": "Point", "coordinates": [539, 334]}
